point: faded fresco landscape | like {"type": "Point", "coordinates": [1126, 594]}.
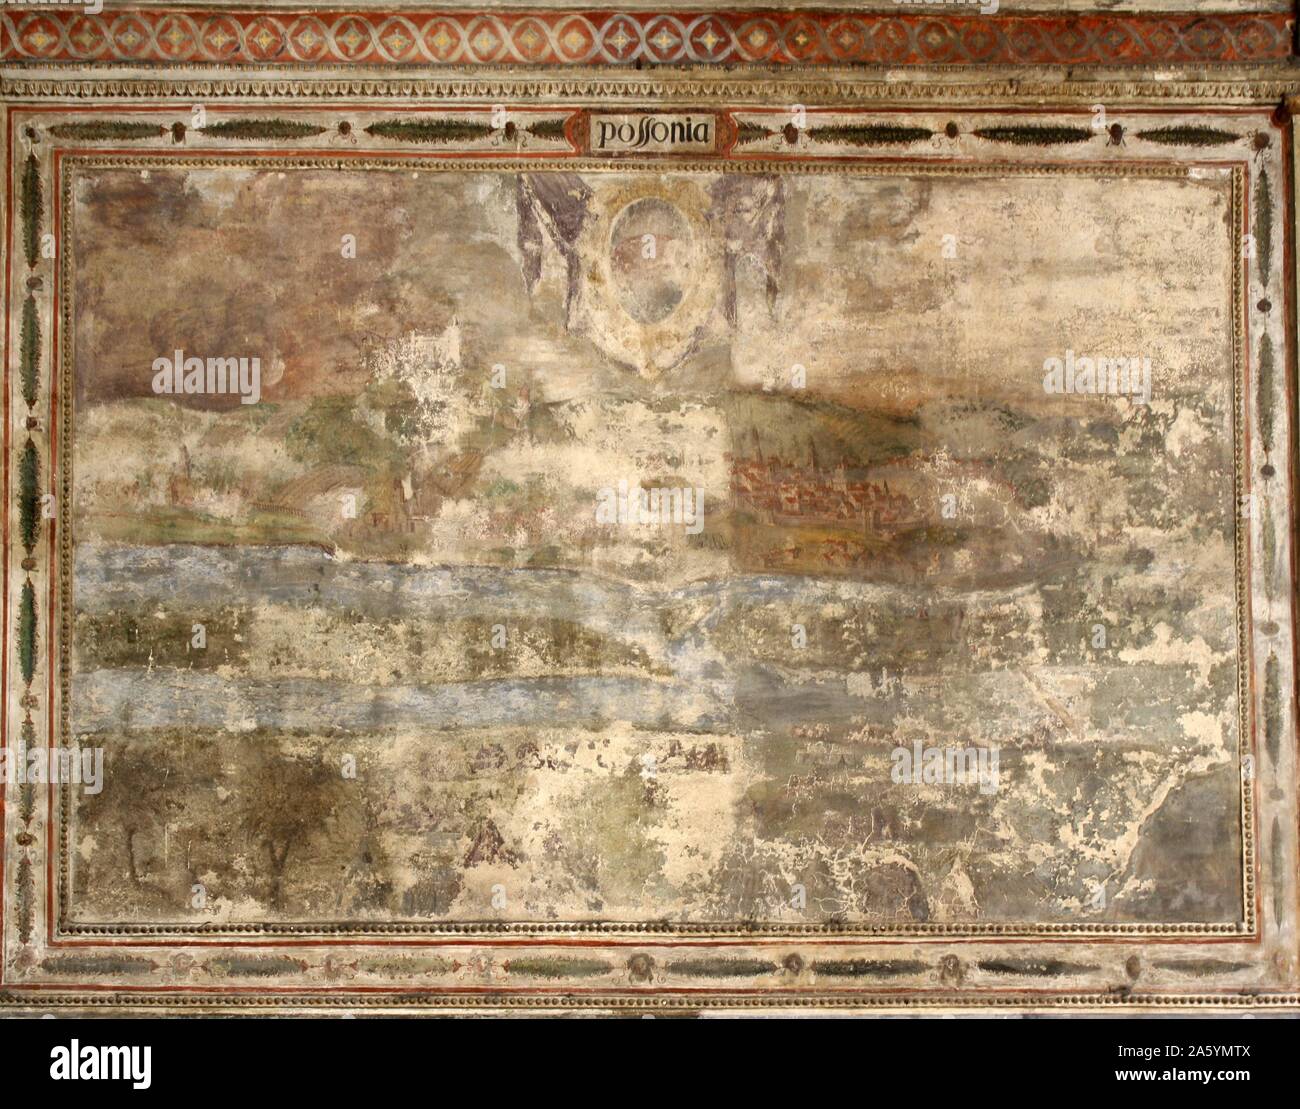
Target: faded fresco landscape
{"type": "Point", "coordinates": [878, 532]}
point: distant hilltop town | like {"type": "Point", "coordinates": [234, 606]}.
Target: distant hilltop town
{"type": "Point", "coordinates": [785, 492]}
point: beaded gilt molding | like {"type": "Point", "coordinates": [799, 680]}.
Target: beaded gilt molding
{"type": "Point", "coordinates": [667, 545]}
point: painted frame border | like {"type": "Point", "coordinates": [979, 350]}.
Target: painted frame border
{"type": "Point", "coordinates": [681, 974]}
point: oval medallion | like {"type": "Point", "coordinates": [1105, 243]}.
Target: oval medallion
{"type": "Point", "coordinates": [650, 250]}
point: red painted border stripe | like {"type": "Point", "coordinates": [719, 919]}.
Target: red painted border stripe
{"type": "Point", "coordinates": [912, 36]}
